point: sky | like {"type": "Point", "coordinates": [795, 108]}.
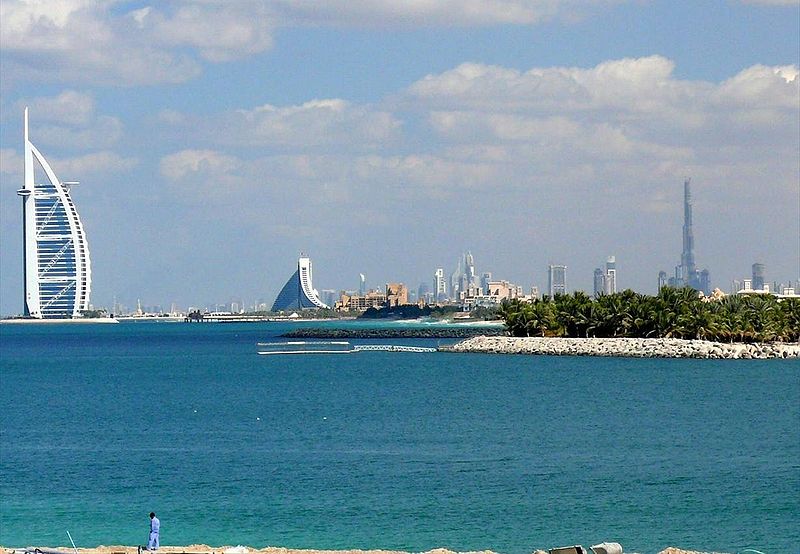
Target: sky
{"type": "Point", "coordinates": [215, 141]}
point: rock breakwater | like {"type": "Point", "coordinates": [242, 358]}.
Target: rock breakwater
{"type": "Point", "coordinates": [625, 347]}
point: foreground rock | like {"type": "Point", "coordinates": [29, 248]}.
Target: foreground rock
{"type": "Point", "coordinates": [394, 333]}
{"type": "Point", "coordinates": [624, 347]}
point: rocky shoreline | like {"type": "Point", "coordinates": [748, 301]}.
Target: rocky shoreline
{"type": "Point", "coordinates": [624, 347]}
{"type": "Point", "coordinates": [394, 333]}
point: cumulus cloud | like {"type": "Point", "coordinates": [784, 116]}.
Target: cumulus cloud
{"type": "Point", "coordinates": [70, 107]}
{"type": "Point", "coordinates": [326, 123]}
{"type": "Point", "coordinates": [450, 13]}
{"type": "Point", "coordinates": [166, 42]}
{"type": "Point", "coordinates": [68, 168]}
{"type": "Point", "coordinates": [498, 130]}
{"type": "Point", "coordinates": [196, 163]}
{"type": "Point", "coordinates": [69, 121]}
{"type": "Point", "coordinates": [96, 163]}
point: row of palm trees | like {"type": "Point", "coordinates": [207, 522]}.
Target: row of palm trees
{"type": "Point", "coordinates": [673, 313]}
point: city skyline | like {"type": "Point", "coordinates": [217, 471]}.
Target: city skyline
{"type": "Point", "coordinates": [385, 139]}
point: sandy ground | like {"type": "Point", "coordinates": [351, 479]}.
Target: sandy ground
{"type": "Point", "coordinates": [205, 549]}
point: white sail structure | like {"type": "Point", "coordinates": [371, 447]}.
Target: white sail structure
{"type": "Point", "coordinates": [57, 268]}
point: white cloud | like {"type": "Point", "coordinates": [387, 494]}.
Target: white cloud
{"type": "Point", "coordinates": [197, 164]}
{"type": "Point", "coordinates": [69, 168]}
{"type": "Point", "coordinates": [450, 13]}
{"type": "Point", "coordinates": [773, 2]}
{"type": "Point", "coordinates": [327, 123]}
{"type": "Point", "coordinates": [69, 121]}
{"type": "Point", "coordinates": [69, 107]}
{"type": "Point", "coordinates": [96, 163]}
{"type": "Point", "coordinates": [490, 128]}
{"type": "Point", "coordinates": [102, 42]}
{"type": "Point", "coordinates": [11, 162]}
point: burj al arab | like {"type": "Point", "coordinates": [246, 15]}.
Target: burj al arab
{"type": "Point", "coordinates": [58, 274]}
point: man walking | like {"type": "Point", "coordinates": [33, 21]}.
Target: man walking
{"type": "Point", "coordinates": [155, 526]}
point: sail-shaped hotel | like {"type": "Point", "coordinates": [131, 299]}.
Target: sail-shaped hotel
{"type": "Point", "coordinates": [58, 273]}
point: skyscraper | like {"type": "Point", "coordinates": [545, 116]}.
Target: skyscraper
{"type": "Point", "coordinates": [57, 269]}
{"type": "Point", "coordinates": [599, 282]}
{"type": "Point", "coordinates": [486, 276]}
{"type": "Point", "coordinates": [556, 279]}
{"type": "Point", "coordinates": [688, 270]}
{"type": "Point", "coordinates": [439, 285]}
{"type": "Point", "coordinates": [362, 284]}
{"type": "Point", "coordinates": [611, 275]}
{"type": "Point", "coordinates": [758, 276]}
{"type": "Point", "coordinates": [686, 273]}
{"type": "Point", "coordinates": [662, 279]}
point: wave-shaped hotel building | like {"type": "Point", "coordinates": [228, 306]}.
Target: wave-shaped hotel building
{"type": "Point", "coordinates": [58, 274]}
{"type": "Point", "coordinates": [299, 293]}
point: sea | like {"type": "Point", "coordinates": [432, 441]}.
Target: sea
{"type": "Point", "coordinates": [102, 424]}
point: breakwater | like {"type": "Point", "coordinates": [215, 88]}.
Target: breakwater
{"type": "Point", "coordinates": [624, 347]}
{"type": "Point", "coordinates": [394, 333]}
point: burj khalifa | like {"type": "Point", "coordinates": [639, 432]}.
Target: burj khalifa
{"type": "Point", "coordinates": [686, 274]}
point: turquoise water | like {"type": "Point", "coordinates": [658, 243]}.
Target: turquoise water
{"type": "Point", "coordinates": [99, 425]}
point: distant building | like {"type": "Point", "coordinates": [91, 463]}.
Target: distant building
{"type": "Point", "coordinates": [362, 284]}
{"type": "Point", "coordinates": [496, 291]}
{"type": "Point", "coordinates": [298, 293]}
{"type": "Point", "coordinates": [611, 275]}
{"type": "Point", "coordinates": [349, 301]}
{"type": "Point", "coordinates": [424, 293]}
{"type": "Point", "coordinates": [599, 282]}
{"type": "Point", "coordinates": [556, 279]}
{"type": "Point", "coordinates": [758, 276]}
{"type": "Point", "coordinates": [662, 279]}
{"type": "Point", "coordinates": [328, 296]}
{"type": "Point", "coordinates": [486, 276]}
{"type": "Point", "coordinates": [396, 294]}
{"type": "Point", "coordinates": [534, 292]}
{"type": "Point", "coordinates": [439, 285]}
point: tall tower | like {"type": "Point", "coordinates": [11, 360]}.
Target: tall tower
{"type": "Point", "coordinates": [556, 279]}
{"type": "Point", "coordinates": [610, 281]}
{"type": "Point", "coordinates": [758, 276]}
{"type": "Point", "coordinates": [57, 269]}
{"type": "Point", "coordinates": [688, 269]}
{"type": "Point", "coordinates": [439, 286]}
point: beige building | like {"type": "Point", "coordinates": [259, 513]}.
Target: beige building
{"type": "Point", "coordinates": [357, 303]}
{"type": "Point", "coordinates": [396, 294]}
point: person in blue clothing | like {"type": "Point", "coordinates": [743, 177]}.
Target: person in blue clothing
{"type": "Point", "coordinates": [155, 528]}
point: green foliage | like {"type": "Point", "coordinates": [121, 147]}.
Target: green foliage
{"type": "Point", "coordinates": [94, 314]}
{"type": "Point", "coordinates": [677, 313]}
{"type": "Point", "coordinates": [408, 311]}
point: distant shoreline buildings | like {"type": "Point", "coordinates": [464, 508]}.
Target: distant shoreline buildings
{"type": "Point", "coordinates": [57, 268]}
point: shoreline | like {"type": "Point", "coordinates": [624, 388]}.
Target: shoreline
{"type": "Point", "coordinates": [226, 549]}
{"type": "Point", "coordinates": [624, 347]}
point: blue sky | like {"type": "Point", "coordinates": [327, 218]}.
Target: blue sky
{"type": "Point", "coordinates": [216, 140]}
